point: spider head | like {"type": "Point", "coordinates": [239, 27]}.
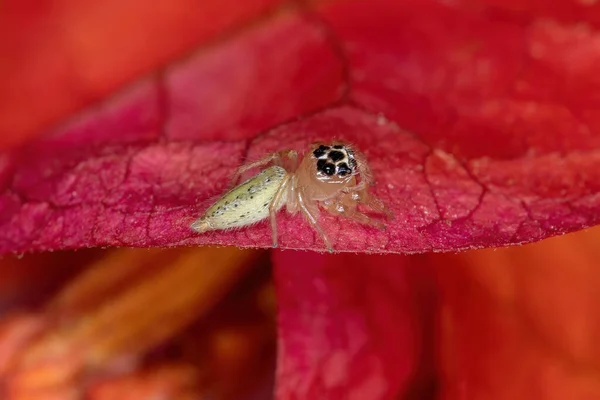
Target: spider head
{"type": "Point", "coordinates": [334, 162]}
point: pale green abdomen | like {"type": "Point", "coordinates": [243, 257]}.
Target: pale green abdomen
{"type": "Point", "coordinates": [247, 203]}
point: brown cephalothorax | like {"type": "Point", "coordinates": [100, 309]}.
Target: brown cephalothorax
{"type": "Point", "coordinates": [333, 176]}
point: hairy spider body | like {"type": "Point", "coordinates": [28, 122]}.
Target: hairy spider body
{"type": "Point", "coordinates": [333, 176]}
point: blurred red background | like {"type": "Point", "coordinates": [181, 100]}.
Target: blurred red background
{"type": "Point", "coordinates": [497, 323]}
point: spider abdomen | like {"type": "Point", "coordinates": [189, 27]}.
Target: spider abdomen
{"type": "Point", "coordinates": [245, 204]}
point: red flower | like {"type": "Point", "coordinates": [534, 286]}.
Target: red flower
{"type": "Point", "coordinates": [120, 120]}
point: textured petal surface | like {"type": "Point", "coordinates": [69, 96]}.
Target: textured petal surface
{"type": "Point", "coordinates": [478, 120]}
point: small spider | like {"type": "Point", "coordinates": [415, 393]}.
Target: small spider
{"type": "Point", "coordinates": [335, 177]}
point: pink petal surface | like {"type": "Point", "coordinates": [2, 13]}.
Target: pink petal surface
{"type": "Point", "coordinates": [350, 326]}
{"type": "Point", "coordinates": [478, 121]}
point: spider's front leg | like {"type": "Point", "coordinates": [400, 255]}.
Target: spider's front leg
{"type": "Point", "coordinates": [311, 213]}
{"type": "Point", "coordinates": [348, 209]}
{"type": "Point", "coordinates": [359, 187]}
{"type": "Point", "coordinates": [376, 205]}
{"type": "Point", "coordinates": [360, 194]}
{"type": "Point", "coordinates": [274, 158]}
{"type": "Point", "coordinates": [273, 207]}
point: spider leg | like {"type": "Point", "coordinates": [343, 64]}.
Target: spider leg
{"type": "Point", "coordinates": [359, 187]}
{"type": "Point", "coordinates": [246, 167]}
{"type": "Point", "coordinates": [273, 207]}
{"type": "Point", "coordinates": [351, 212]}
{"type": "Point", "coordinates": [361, 194]}
{"type": "Point", "coordinates": [376, 205]}
{"type": "Point", "coordinates": [292, 156]}
{"type": "Point", "coordinates": [275, 158]}
{"type": "Point", "coordinates": [312, 220]}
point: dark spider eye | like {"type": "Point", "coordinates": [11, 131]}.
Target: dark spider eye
{"type": "Point", "coordinates": [325, 167]}
{"type": "Point", "coordinates": [343, 169]}
{"type": "Point", "coordinates": [336, 155]}
{"type": "Point", "coordinates": [329, 169]}
{"type": "Point", "coordinates": [338, 146]}
{"type": "Point", "coordinates": [320, 151]}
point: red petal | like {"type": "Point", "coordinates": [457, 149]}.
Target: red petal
{"type": "Point", "coordinates": [479, 121]}
{"type": "Point", "coordinates": [349, 325]}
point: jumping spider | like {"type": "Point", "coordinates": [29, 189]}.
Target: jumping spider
{"type": "Point", "coordinates": [335, 177]}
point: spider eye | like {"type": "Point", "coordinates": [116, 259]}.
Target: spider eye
{"type": "Point", "coordinates": [320, 151]}
{"type": "Point", "coordinates": [329, 169]}
{"type": "Point", "coordinates": [325, 167]}
{"type": "Point", "coordinates": [336, 156]}
{"type": "Point", "coordinates": [343, 169]}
